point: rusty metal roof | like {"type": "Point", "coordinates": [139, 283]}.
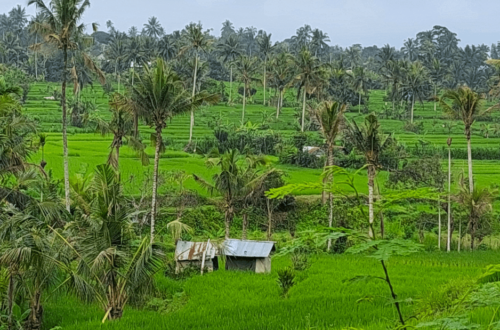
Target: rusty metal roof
{"type": "Point", "coordinates": [250, 249]}
{"type": "Point", "coordinates": [186, 250]}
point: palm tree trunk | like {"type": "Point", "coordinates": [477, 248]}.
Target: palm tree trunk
{"type": "Point", "coordinates": [155, 180]}
{"type": "Point", "coordinates": [265, 62]}
{"type": "Point", "coordinates": [359, 103]}
{"type": "Point", "coordinates": [439, 224]}
{"type": "Point", "coordinates": [472, 234]}
{"type": "Point", "coordinates": [10, 300]}
{"type": "Point", "coordinates": [244, 103]}
{"type": "Point", "coordinates": [230, 84]}
{"type": "Point", "coordinates": [64, 133]}
{"type": "Point", "coordinates": [245, 226]}
{"type": "Point", "coordinates": [330, 195]}
{"type": "Point", "coordinates": [435, 92]}
{"type": "Point", "coordinates": [118, 158]}
{"type": "Point", "coordinates": [278, 105]}
{"type": "Point", "coordinates": [412, 107]}
{"type": "Point", "coordinates": [448, 240]}
{"type": "Point", "coordinates": [194, 90]}
{"type": "Point", "coordinates": [469, 158]}
{"type": "Point", "coordinates": [34, 321]}
{"type": "Point", "coordinates": [303, 109]}
{"type": "Point", "coordinates": [371, 177]}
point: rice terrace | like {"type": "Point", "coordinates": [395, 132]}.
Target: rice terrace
{"type": "Point", "coordinates": [171, 166]}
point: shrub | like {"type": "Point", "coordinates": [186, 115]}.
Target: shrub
{"type": "Point", "coordinates": [300, 261]}
{"type": "Point", "coordinates": [286, 279]}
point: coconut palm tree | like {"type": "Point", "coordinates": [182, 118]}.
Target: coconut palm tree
{"type": "Point", "coordinates": [477, 203]}
{"type": "Point", "coordinates": [121, 125]}
{"type": "Point", "coordinates": [265, 49]}
{"type": "Point", "coordinates": [195, 40]}
{"type": "Point", "coordinates": [229, 49]}
{"type": "Point", "coordinates": [246, 69]}
{"type": "Point", "coordinates": [466, 105]}
{"type": "Point", "coordinates": [309, 71]}
{"type": "Point", "coordinates": [153, 28]}
{"type": "Point", "coordinates": [60, 28]}
{"type": "Point", "coordinates": [114, 265]}
{"type": "Point", "coordinates": [160, 95]}
{"type": "Point", "coordinates": [281, 75]}
{"type": "Point", "coordinates": [369, 140]}
{"type": "Point", "coordinates": [360, 81]}
{"type": "Point", "coordinates": [330, 115]}
{"type": "Point", "coordinates": [415, 85]}
{"type": "Point", "coordinates": [228, 182]}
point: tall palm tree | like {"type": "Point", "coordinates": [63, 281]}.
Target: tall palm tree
{"type": "Point", "coordinates": [153, 28]}
{"type": "Point", "coordinates": [121, 125]}
{"type": "Point", "coordinates": [246, 69]}
{"type": "Point", "coordinates": [369, 140]}
{"type": "Point", "coordinates": [309, 70]}
{"type": "Point", "coordinates": [229, 49]}
{"type": "Point", "coordinates": [160, 96]}
{"type": "Point", "coordinates": [466, 105]}
{"type": "Point", "coordinates": [319, 41]}
{"type": "Point", "coordinates": [330, 115]}
{"type": "Point", "coordinates": [448, 238]}
{"type": "Point", "coordinates": [195, 40]}
{"type": "Point", "coordinates": [360, 82]}
{"type": "Point", "coordinates": [265, 48]}
{"type": "Point", "coordinates": [61, 27]}
{"type": "Point", "coordinates": [415, 85]}
{"type": "Point", "coordinates": [281, 75]}
{"type": "Point", "coordinates": [229, 182]}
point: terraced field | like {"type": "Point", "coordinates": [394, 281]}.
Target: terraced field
{"type": "Point", "coordinates": [87, 149]}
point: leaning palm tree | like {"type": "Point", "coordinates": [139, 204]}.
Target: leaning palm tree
{"type": "Point", "coordinates": [246, 69]}
{"type": "Point", "coordinates": [360, 82]}
{"type": "Point", "coordinates": [281, 75]}
{"type": "Point", "coordinates": [195, 40]}
{"type": "Point", "coordinates": [60, 28]}
{"type": "Point", "coordinates": [467, 106]}
{"type": "Point", "coordinates": [476, 203]}
{"type": "Point", "coordinates": [121, 125]}
{"type": "Point", "coordinates": [330, 115]}
{"type": "Point", "coordinates": [309, 70]}
{"type": "Point", "coordinates": [369, 140]}
{"type": "Point", "coordinates": [160, 95]}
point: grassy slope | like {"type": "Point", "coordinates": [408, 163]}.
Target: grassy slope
{"type": "Point", "coordinates": [88, 149]}
{"type": "Point", "coordinates": [238, 300]}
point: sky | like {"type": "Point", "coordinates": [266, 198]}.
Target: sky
{"type": "Point", "coordinates": [347, 22]}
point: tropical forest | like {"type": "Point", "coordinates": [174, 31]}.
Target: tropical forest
{"type": "Point", "coordinates": [226, 179]}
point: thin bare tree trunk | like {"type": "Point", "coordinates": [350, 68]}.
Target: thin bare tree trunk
{"type": "Point", "coordinates": [155, 181]}
{"type": "Point", "coordinates": [228, 216]}
{"type": "Point", "coordinates": [412, 107]}
{"type": "Point", "coordinates": [64, 131]}
{"type": "Point", "coordinates": [359, 103]}
{"type": "Point", "coordinates": [244, 230]}
{"type": "Point", "coordinates": [448, 240]}
{"type": "Point", "coordinates": [231, 85]}
{"type": "Point", "coordinates": [303, 109]}
{"type": "Point", "coordinates": [439, 224]}
{"type": "Point", "coordinates": [244, 103]}
{"type": "Point", "coordinates": [10, 300]}
{"type": "Point", "coordinates": [330, 195]}
{"type": "Point", "coordinates": [265, 62]}
{"type": "Point", "coordinates": [435, 92]}
{"type": "Point", "coordinates": [371, 176]}
{"type": "Point", "coordinates": [278, 105]}
{"type": "Point", "coordinates": [191, 125]}
{"type": "Point", "coordinates": [269, 220]}
{"type": "Point", "coordinates": [469, 159]}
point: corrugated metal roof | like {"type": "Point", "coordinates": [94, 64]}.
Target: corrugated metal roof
{"type": "Point", "coordinates": [186, 250]}
{"type": "Point", "coordinates": [251, 249]}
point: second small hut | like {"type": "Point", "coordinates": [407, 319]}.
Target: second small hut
{"type": "Point", "coordinates": [248, 255]}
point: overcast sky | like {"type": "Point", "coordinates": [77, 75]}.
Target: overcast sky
{"type": "Point", "coordinates": [347, 22]}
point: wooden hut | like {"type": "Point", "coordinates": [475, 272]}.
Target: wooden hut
{"type": "Point", "coordinates": [190, 255]}
{"type": "Point", "coordinates": [248, 255]}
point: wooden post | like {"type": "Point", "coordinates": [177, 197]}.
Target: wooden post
{"type": "Point", "coordinates": [204, 255]}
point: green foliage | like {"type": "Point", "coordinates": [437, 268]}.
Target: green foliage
{"type": "Point", "coordinates": [382, 250]}
{"type": "Point", "coordinates": [286, 280]}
